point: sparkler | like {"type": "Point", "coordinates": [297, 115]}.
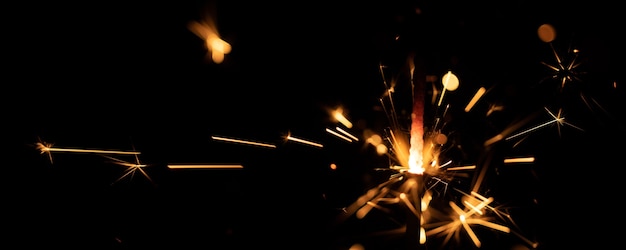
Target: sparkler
{"type": "Point", "coordinates": [419, 177]}
{"type": "Point", "coordinates": [420, 173]}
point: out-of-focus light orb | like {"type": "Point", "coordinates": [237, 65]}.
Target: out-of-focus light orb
{"type": "Point", "coordinates": [333, 166]}
{"type": "Point", "coordinates": [441, 138]}
{"type": "Point", "coordinates": [375, 139]}
{"type": "Point", "coordinates": [546, 33]}
{"type": "Point", "coordinates": [519, 247]}
{"type": "Point", "coordinates": [381, 149]}
{"type": "Point", "coordinates": [357, 246]}
{"type": "Point", "coordinates": [450, 81]}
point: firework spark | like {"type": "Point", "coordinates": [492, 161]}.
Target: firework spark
{"type": "Point", "coordinates": [131, 169]}
{"type": "Point", "coordinates": [204, 166]}
{"type": "Point", "coordinates": [241, 141]}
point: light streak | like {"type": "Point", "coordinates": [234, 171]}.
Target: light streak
{"type": "Point", "coordinates": [479, 93]}
{"type": "Point", "coordinates": [46, 148]}
{"type": "Point", "coordinates": [347, 134]}
{"type": "Point", "coordinates": [216, 47]}
{"type": "Point", "coordinates": [462, 168]}
{"type": "Point", "coordinates": [43, 148]}
{"type": "Point", "coordinates": [338, 135]}
{"type": "Point", "coordinates": [291, 138]}
{"type": "Point", "coordinates": [557, 119]}
{"type": "Point", "coordinates": [204, 166]}
{"type": "Point", "coordinates": [219, 138]}
{"type": "Point", "coordinates": [341, 118]}
{"type": "Point", "coordinates": [519, 160]}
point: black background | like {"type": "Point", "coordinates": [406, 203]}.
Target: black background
{"type": "Point", "coordinates": [132, 76]}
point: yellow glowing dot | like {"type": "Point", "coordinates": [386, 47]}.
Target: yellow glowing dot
{"type": "Point", "coordinates": [450, 81]}
{"type": "Point", "coordinates": [333, 166]}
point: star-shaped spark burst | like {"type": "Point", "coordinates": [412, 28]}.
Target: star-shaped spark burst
{"type": "Point", "coordinates": [558, 119]}
{"type": "Point", "coordinates": [44, 148]}
{"type": "Point", "coordinates": [131, 169]}
{"type": "Point", "coordinates": [565, 68]}
{"type": "Point", "coordinates": [473, 213]}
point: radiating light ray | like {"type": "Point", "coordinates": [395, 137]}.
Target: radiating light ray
{"type": "Point", "coordinates": [464, 219]}
{"type": "Point", "coordinates": [241, 141]}
{"type": "Point", "coordinates": [376, 193]}
{"type": "Point", "coordinates": [532, 244]}
{"type": "Point", "coordinates": [560, 120]}
{"type": "Point", "coordinates": [488, 224]}
{"type": "Point", "coordinates": [204, 166]}
{"type": "Point", "coordinates": [437, 182]}
{"type": "Point", "coordinates": [445, 164]}
{"type": "Point", "coordinates": [584, 99]}
{"type": "Point", "coordinates": [408, 203]}
{"type": "Point", "coordinates": [564, 71]}
{"type": "Point", "coordinates": [469, 231]}
{"type": "Point", "coordinates": [364, 210]}
{"type": "Point", "coordinates": [303, 141]}
{"type": "Point", "coordinates": [44, 148]}
{"type": "Point", "coordinates": [389, 90]}
{"type": "Point", "coordinates": [131, 168]}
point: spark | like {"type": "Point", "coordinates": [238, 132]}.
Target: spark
{"type": "Point", "coordinates": [131, 168]}
{"type": "Point", "coordinates": [473, 214]}
{"type": "Point", "coordinates": [300, 140]}
{"type": "Point", "coordinates": [494, 108]}
{"type": "Point", "coordinates": [338, 135]}
{"type": "Point", "coordinates": [347, 134]}
{"type": "Point", "coordinates": [341, 118]}
{"type": "Point", "coordinates": [46, 148]}
{"type": "Point", "coordinates": [204, 166]}
{"type": "Point", "coordinates": [479, 93]}
{"type": "Point", "coordinates": [558, 119]}
{"type": "Point", "coordinates": [564, 70]}
{"type": "Point", "coordinates": [462, 168]}
{"type": "Point", "coordinates": [241, 141]}
{"type": "Point", "coordinates": [217, 48]}
{"type": "Point", "coordinates": [519, 160]}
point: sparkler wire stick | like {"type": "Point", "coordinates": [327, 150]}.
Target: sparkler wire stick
{"type": "Point", "coordinates": [415, 164]}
